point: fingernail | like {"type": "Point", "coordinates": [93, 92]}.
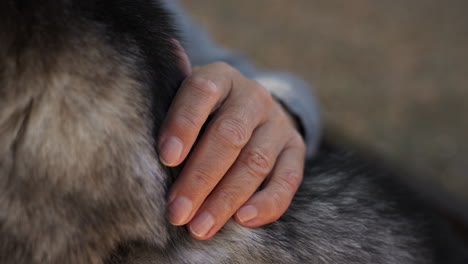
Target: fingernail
{"type": "Point", "coordinates": [180, 210]}
{"type": "Point", "coordinates": [247, 213]}
{"type": "Point", "coordinates": [202, 224]}
{"type": "Point", "coordinates": [170, 151]}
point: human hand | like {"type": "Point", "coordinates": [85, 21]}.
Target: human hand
{"type": "Point", "coordinates": [249, 141]}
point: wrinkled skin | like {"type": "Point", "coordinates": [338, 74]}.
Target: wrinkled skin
{"type": "Point", "coordinates": [250, 137]}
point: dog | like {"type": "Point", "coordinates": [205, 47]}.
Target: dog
{"type": "Point", "coordinates": [84, 88]}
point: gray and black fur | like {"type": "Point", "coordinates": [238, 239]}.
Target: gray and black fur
{"type": "Point", "coordinates": [84, 87]}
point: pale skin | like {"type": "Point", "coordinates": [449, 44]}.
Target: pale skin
{"type": "Point", "coordinates": [251, 141]}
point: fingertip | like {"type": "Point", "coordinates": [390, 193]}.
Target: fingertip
{"type": "Point", "coordinates": [170, 151]}
{"type": "Point", "coordinates": [179, 211]}
{"type": "Point", "coordinates": [246, 214]}
{"type": "Point", "coordinates": [263, 208]}
{"type": "Point", "coordinates": [202, 226]}
{"type": "Point", "coordinates": [253, 216]}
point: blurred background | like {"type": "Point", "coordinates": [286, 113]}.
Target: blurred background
{"type": "Point", "coordinates": [391, 76]}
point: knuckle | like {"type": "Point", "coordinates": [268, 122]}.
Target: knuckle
{"type": "Point", "coordinates": [225, 67]}
{"type": "Point", "coordinates": [297, 140]}
{"type": "Point", "coordinates": [263, 96]}
{"type": "Point", "coordinates": [287, 120]}
{"type": "Point", "coordinates": [226, 199]}
{"type": "Point", "coordinates": [290, 180]}
{"type": "Point", "coordinates": [203, 87]}
{"type": "Point", "coordinates": [202, 179]}
{"type": "Point", "coordinates": [258, 163]}
{"type": "Point", "coordinates": [188, 121]}
{"type": "Point", "coordinates": [222, 65]}
{"type": "Point", "coordinates": [233, 132]}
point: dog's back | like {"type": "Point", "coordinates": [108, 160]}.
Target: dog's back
{"type": "Point", "coordinates": [346, 211]}
{"type": "Point", "coordinates": [84, 86]}
{"type": "Point", "coordinates": [78, 112]}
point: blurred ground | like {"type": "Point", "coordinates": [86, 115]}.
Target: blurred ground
{"type": "Point", "coordinates": [391, 75]}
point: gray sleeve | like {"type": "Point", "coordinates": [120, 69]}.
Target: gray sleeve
{"type": "Point", "coordinates": [293, 92]}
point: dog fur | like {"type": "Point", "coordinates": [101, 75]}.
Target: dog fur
{"type": "Point", "coordinates": [84, 87]}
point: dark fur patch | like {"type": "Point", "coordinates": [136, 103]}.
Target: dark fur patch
{"type": "Point", "coordinates": [84, 87]}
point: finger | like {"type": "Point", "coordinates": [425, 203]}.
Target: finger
{"type": "Point", "coordinates": [214, 154]}
{"type": "Point", "coordinates": [267, 205]}
{"type": "Point", "coordinates": [197, 97]}
{"type": "Point", "coordinates": [248, 172]}
{"type": "Point", "coordinates": [184, 61]}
